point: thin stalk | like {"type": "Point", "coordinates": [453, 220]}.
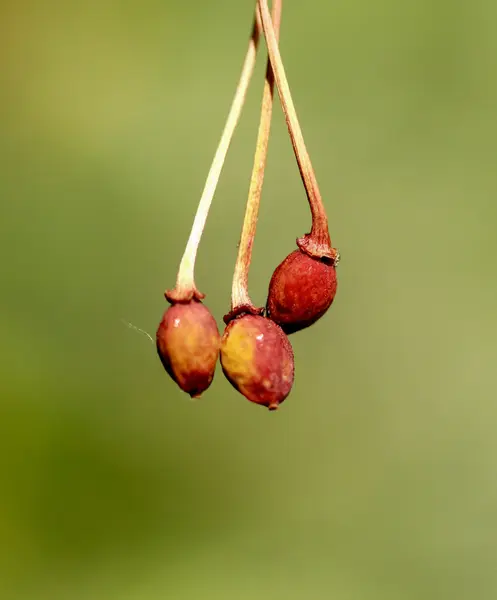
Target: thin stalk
{"type": "Point", "coordinates": [317, 243]}
{"type": "Point", "coordinates": [240, 299]}
{"type": "Point", "coordinates": [185, 288]}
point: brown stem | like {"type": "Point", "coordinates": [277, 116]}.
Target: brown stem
{"type": "Point", "coordinates": [186, 289]}
{"type": "Point", "coordinates": [240, 299]}
{"type": "Point", "coordinates": [317, 243]}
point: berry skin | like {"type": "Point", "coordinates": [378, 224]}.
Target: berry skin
{"type": "Point", "coordinates": [188, 343]}
{"type": "Point", "coordinates": [301, 290]}
{"type": "Point", "coordinates": [257, 359]}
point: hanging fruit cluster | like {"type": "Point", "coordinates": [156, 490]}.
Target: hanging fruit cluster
{"type": "Point", "coordinates": [254, 350]}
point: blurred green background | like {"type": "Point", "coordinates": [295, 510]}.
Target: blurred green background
{"type": "Point", "coordinates": [377, 479]}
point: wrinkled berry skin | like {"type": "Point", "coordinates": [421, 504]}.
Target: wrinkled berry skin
{"type": "Point", "coordinates": [301, 290]}
{"type": "Point", "coordinates": [257, 359]}
{"type": "Point", "coordinates": [188, 343]}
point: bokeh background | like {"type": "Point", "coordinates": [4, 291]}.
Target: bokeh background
{"type": "Point", "coordinates": [377, 479]}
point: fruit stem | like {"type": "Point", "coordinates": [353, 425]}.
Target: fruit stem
{"type": "Point", "coordinates": [186, 289]}
{"type": "Point", "coordinates": [317, 243]}
{"type": "Point", "coordinates": [240, 299]}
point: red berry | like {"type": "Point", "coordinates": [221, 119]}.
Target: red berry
{"type": "Point", "coordinates": [301, 290]}
{"type": "Point", "coordinates": [257, 359]}
{"type": "Point", "coordinates": [188, 343]}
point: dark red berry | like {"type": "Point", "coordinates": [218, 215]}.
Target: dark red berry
{"type": "Point", "coordinates": [257, 359]}
{"type": "Point", "coordinates": [188, 343]}
{"type": "Point", "coordinates": [301, 290]}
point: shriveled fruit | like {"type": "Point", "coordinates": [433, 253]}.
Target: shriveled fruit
{"type": "Point", "coordinates": [257, 359]}
{"type": "Point", "coordinates": [301, 290]}
{"type": "Point", "coordinates": [188, 343]}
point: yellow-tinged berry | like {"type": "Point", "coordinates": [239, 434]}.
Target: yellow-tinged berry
{"type": "Point", "coordinates": [188, 343]}
{"type": "Point", "coordinates": [257, 359]}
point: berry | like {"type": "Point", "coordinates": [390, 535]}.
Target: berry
{"type": "Point", "coordinates": [257, 359]}
{"type": "Point", "coordinates": [301, 290]}
{"type": "Point", "coordinates": [188, 343]}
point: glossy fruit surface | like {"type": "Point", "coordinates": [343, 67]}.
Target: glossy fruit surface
{"type": "Point", "coordinates": [257, 359]}
{"type": "Point", "coordinates": [188, 343]}
{"type": "Point", "coordinates": [301, 290]}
